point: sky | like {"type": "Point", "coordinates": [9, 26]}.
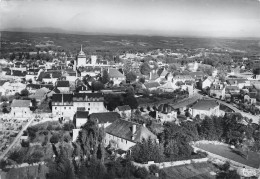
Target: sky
{"type": "Point", "coordinates": [216, 18]}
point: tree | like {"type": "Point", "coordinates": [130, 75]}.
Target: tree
{"type": "Point", "coordinates": [54, 138]}
{"type": "Point", "coordinates": [172, 68]}
{"type": "Point", "coordinates": [25, 93]}
{"type": "Point", "coordinates": [105, 77]}
{"type": "Point", "coordinates": [97, 86]}
{"type": "Point", "coordinates": [171, 150]}
{"type": "Point", "coordinates": [141, 173]}
{"type": "Point", "coordinates": [3, 99]}
{"type": "Point", "coordinates": [62, 167]}
{"type": "Point", "coordinates": [142, 80]}
{"type": "Point", "coordinates": [131, 101]}
{"type": "Point", "coordinates": [131, 76]}
{"type": "Point", "coordinates": [145, 68]}
{"type": "Point", "coordinates": [147, 150]}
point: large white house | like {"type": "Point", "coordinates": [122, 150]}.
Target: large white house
{"type": "Point", "coordinates": [62, 106]}
{"type": "Point", "coordinates": [125, 134]}
{"type": "Point", "coordinates": [91, 102]}
{"type": "Point", "coordinates": [166, 113]}
{"type": "Point", "coordinates": [204, 108]}
{"type": "Point", "coordinates": [21, 109]}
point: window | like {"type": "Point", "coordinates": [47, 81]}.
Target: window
{"type": "Point", "coordinates": [55, 108]}
{"type": "Point", "coordinates": [122, 140]}
{"type": "Point", "coordinates": [88, 109]}
{"type": "Point", "coordinates": [64, 107]}
{"type": "Point", "coordinates": [126, 141]}
{"type": "Point", "coordinates": [69, 107]}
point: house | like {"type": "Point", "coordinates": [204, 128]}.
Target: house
{"type": "Point", "coordinates": [217, 91]}
{"type": "Point", "coordinates": [62, 106]}
{"type": "Point", "coordinates": [92, 102]}
{"type": "Point", "coordinates": [204, 108]}
{"type": "Point", "coordinates": [115, 76]}
{"type": "Point", "coordinates": [21, 109]}
{"type": "Point", "coordinates": [182, 78]}
{"type": "Point", "coordinates": [232, 90]}
{"type": "Point", "coordinates": [104, 119]}
{"type": "Point", "coordinates": [81, 118]}
{"type": "Point", "coordinates": [31, 74]}
{"type": "Point", "coordinates": [199, 75]}
{"type": "Point", "coordinates": [239, 82]}
{"type": "Point", "coordinates": [125, 134]}
{"type": "Point", "coordinates": [63, 86]}
{"type": "Point", "coordinates": [168, 87]}
{"type": "Point", "coordinates": [166, 113]}
{"type": "Point", "coordinates": [124, 111]}
{"type": "Point", "coordinates": [207, 82]}
{"type": "Point", "coordinates": [163, 74]}
{"type": "Point", "coordinates": [32, 88]}
{"type": "Point", "coordinates": [151, 86]}
{"type": "Point", "coordinates": [251, 98]}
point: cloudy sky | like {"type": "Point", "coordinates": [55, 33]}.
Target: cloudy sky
{"type": "Point", "coordinates": [217, 18]}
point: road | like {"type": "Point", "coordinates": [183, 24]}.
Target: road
{"type": "Point", "coordinates": [17, 138]}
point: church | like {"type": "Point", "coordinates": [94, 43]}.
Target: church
{"type": "Point", "coordinates": [81, 60]}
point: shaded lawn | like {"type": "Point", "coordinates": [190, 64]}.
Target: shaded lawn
{"type": "Point", "coordinates": [233, 154]}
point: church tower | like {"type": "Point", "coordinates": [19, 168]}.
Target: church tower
{"type": "Point", "coordinates": [81, 58]}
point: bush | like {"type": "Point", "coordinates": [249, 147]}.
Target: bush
{"type": "Point", "coordinates": [66, 138]}
{"type": "Point", "coordinates": [68, 126]}
{"type": "Point", "coordinates": [25, 143]}
{"type": "Point", "coordinates": [153, 169]}
{"type": "Point", "coordinates": [54, 138]}
{"type": "Point", "coordinates": [141, 173]}
{"type": "Point", "coordinates": [35, 157]}
{"type": "Point", "coordinates": [49, 127]}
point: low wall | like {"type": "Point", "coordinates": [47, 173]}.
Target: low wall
{"type": "Point", "coordinates": [25, 165]}
{"type": "Point", "coordinates": [170, 164]}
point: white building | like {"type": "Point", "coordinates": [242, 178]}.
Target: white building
{"type": "Point", "coordinates": [62, 106]}
{"type": "Point", "coordinates": [21, 109]}
{"type": "Point", "coordinates": [166, 113]}
{"type": "Point", "coordinates": [204, 108]}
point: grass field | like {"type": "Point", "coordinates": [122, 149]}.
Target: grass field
{"type": "Point", "coordinates": [198, 171]}
{"type": "Point", "coordinates": [233, 154]}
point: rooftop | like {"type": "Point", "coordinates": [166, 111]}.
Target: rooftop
{"type": "Point", "coordinates": [63, 84]}
{"type": "Point", "coordinates": [82, 114]}
{"type": "Point", "coordinates": [114, 73]}
{"type": "Point", "coordinates": [105, 117]}
{"type": "Point", "coordinates": [124, 108]}
{"type": "Point", "coordinates": [205, 104]}
{"type": "Point", "coordinates": [123, 129]}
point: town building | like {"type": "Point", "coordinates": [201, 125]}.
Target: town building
{"type": "Point", "coordinates": [81, 118]}
{"type": "Point", "coordinates": [104, 119]}
{"type": "Point", "coordinates": [204, 108]}
{"type": "Point", "coordinates": [218, 91]}
{"type": "Point", "coordinates": [62, 106]}
{"type": "Point", "coordinates": [116, 76]}
{"type": "Point", "coordinates": [124, 111]}
{"type": "Point", "coordinates": [63, 86]}
{"type": "Point", "coordinates": [166, 113]}
{"type": "Point", "coordinates": [91, 102]}
{"type": "Point", "coordinates": [125, 134]}
{"type": "Point", "coordinates": [21, 109]}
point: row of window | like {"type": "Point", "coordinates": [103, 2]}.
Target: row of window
{"type": "Point", "coordinates": [116, 138]}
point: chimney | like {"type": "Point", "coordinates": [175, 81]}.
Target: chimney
{"type": "Point", "coordinates": [133, 128]}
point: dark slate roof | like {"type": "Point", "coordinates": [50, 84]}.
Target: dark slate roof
{"type": "Point", "coordinates": [63, 84]}
{"type": "Point", "coordinates": [205, 104]}
{"type": "Point", "coordinates": [232, 88]}
{"type": "Point", "coordinates": [123, 129]}
{"type": "Point", "coordinates": [33, 70]}
{"type": "Point", "coordinates": [6, 69]}
{"type": "Point", "coordinates": [21, 103]}
{"type": "Point", "coordinates": [62, 97]}
{"type": "Point", "coordinates": [124, 108]}
{"type": "Point", "coordinates": [105, 117]}
{"type": "Point", "coordinates": [152, 85]}
{"type": "Point", "coordinates": [165, 108]}
{"type": "Point", "coordinates": [19, 73]}
{"type": "Point", "coordinates": [82, 96]}
{"type": "Point", "coordinates": [82, 114]}
{"type": "Point", "coordinates": [38, 86]}
{"type": "Point", "coordinates": [237, 80]}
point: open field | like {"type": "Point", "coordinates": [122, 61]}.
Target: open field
{"type": "Point", "coordinates": [233, 154]}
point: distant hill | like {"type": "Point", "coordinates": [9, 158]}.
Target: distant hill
{"type": "Point", "coordinates": [71, 41]}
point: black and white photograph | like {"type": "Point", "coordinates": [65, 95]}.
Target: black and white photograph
{"type": "Point", "coordinates": [129, 89]}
